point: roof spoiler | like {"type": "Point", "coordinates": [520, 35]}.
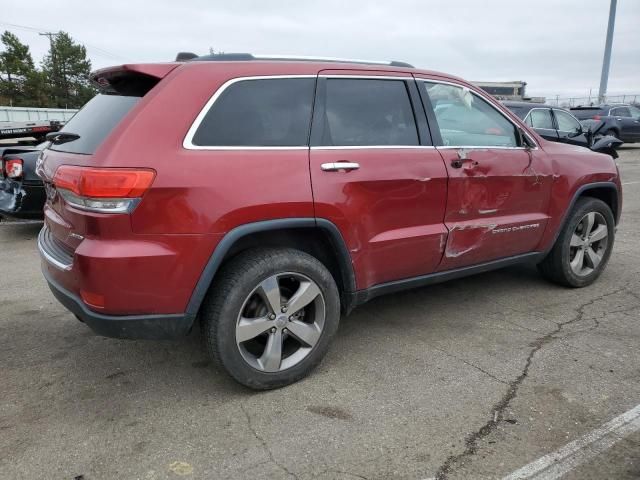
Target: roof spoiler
{"type": "Point", "coordinates": [131, 79]}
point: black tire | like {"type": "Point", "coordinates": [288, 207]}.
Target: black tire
{"type": "Point", "coordinates": [231, 291]}
{"type": "Point", "coordinates": [556, 265]}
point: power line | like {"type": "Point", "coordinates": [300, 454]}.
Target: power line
{"type": "Point", "coordinates": [23, 27]}
{"type": "Point", "coordinates": [103, 52]}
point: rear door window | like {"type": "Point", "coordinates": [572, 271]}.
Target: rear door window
{"type": "Point", "coordinates": [621, 112]}
{"type": "Point", "coordinates": [273, 112]}
{"type": "Point", "coordinates": [368, 112]}
{"type": "Point", "coordinates": [94, 122]}
{"type": "Point", "coordinates": [465, 119]}
{"type": "Point", "coordinates": [541, 118]}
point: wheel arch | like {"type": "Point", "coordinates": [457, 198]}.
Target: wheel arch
{"type": "Point", "coordinates": [613, 128]}
{"type": "Point", "coordinates": [318, 237]}
{"type": "Point", "coordinates": [608, 192]}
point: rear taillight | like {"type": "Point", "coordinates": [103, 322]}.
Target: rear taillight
{"type": "Point", "coordinates": [105, 190]}
{"type": "Point", "coordinates": [597, 117]}
{"type": "Point", "coordinates": [13, 168]}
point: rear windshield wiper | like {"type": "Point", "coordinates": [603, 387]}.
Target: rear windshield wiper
{"type": "Point", "coordinates": [58, 138]}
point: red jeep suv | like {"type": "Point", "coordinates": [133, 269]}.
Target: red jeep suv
{"type": "Point", "coordinates": [263, 197]}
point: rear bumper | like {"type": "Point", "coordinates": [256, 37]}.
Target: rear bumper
{"type": "Point", "coordinates": [130, 275]}
{"type": "Point", "coordinates": [155, 327]}
{"type": "Point", "coordinates": [21, 200]}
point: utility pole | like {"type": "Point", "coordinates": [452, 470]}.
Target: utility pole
{"type": "Point", "coordinates": [54, 66]}
{"type": "Point", "coordinates": [606, 61]}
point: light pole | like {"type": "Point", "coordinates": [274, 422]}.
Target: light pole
{"type": "Point", "coordinates": [606, 61]}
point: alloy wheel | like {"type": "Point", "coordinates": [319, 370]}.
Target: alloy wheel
{"type": "Point", "coordinates": [280, 322]}
{"type": "Point", "coordinates": [588, 244]}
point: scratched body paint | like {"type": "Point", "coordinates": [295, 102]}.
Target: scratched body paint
{"type": "Point", "coordinates": [463, 239]}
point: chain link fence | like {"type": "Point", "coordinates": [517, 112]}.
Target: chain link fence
{"type": "Point", "coordinates": [592, 100]}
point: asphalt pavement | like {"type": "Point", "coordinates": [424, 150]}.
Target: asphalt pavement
{"type": "Point", "coordinates": [475, 378]}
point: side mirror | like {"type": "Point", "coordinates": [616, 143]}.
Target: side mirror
{"type": "Point", "coordinates": [578, 131]}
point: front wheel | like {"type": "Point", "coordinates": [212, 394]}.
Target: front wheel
{"type": "Point", "coordinates": [270, 317]}
{"type": "Point", "coordinates": [583, 247]}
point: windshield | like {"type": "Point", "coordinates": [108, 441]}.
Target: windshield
{"type": "Point", "coordinates": [94, 122]}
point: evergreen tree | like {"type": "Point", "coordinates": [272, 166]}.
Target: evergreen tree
{"type": "Point", "coordinates": [66, 69]}
{"type": "Point", "coordinates": [20, 83]}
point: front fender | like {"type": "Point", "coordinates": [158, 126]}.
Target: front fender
{"type": "Point", "coordinates": [556, 224]}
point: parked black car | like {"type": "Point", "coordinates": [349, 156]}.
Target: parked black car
{"type": "Point", "coordinates": [22, 193]}
{"type": "Point", "coordinates": [559, 125]}
{"type": "Point", "coordinates": [621, 121]}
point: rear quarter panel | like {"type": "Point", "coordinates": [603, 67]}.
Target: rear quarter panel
{"type": "Point", "coordinates": [205, 191]}
{"type": "Point", "coordinates": [196, 197]}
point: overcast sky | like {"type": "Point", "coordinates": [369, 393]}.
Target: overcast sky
{"type": "Point", "coordinates": [555, 46]}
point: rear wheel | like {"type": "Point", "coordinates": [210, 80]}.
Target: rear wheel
{"type": "Point", "coordinates": [583, 247]}
{"type": "Point", "coordinates": [270, 316]}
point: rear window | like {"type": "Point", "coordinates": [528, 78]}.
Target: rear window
{"type": "Point", "coordinates": [94, 122]}
{"type": "Point", "coordinates": [586, 112]}
{"type": "Point", "coordinates": [273, 112]}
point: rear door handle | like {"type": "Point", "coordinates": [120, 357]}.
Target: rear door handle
{"type": "Point", "coordinates": [337, 166]}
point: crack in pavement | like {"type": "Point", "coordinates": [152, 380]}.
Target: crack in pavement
{"type": "Point", "coordinates": [265, 446]}
{"type": "Point", "coordinates": [480, 369]}
{"type": "Point", "coordinates": [596, 321]}
{"type": "Point", "coordinates": [471, 442]}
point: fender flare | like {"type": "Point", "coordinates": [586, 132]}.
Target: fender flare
{"type": "Point", "coordinates": [585, 188]}
{"type": "Point", "coordinates": [223, 247]}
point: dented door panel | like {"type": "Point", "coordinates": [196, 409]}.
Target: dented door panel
{"type": "Point", "coordinates": [390, 211]}
{"type": "Point", "coordinates": [497, 203]}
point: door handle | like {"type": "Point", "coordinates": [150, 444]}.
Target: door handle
{"type": "Point", "coordinates": [337, 166]}
{"type": "Point", "coordinates": [459, 162]}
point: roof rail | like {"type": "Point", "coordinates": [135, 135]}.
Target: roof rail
{"type": "Point", "coordinates": [231, 57]}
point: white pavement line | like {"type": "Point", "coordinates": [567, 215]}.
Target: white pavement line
{"type": "Point", "coordinates": [573, 454]}
{"type": "Point", "coordinates": [629, 183]}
